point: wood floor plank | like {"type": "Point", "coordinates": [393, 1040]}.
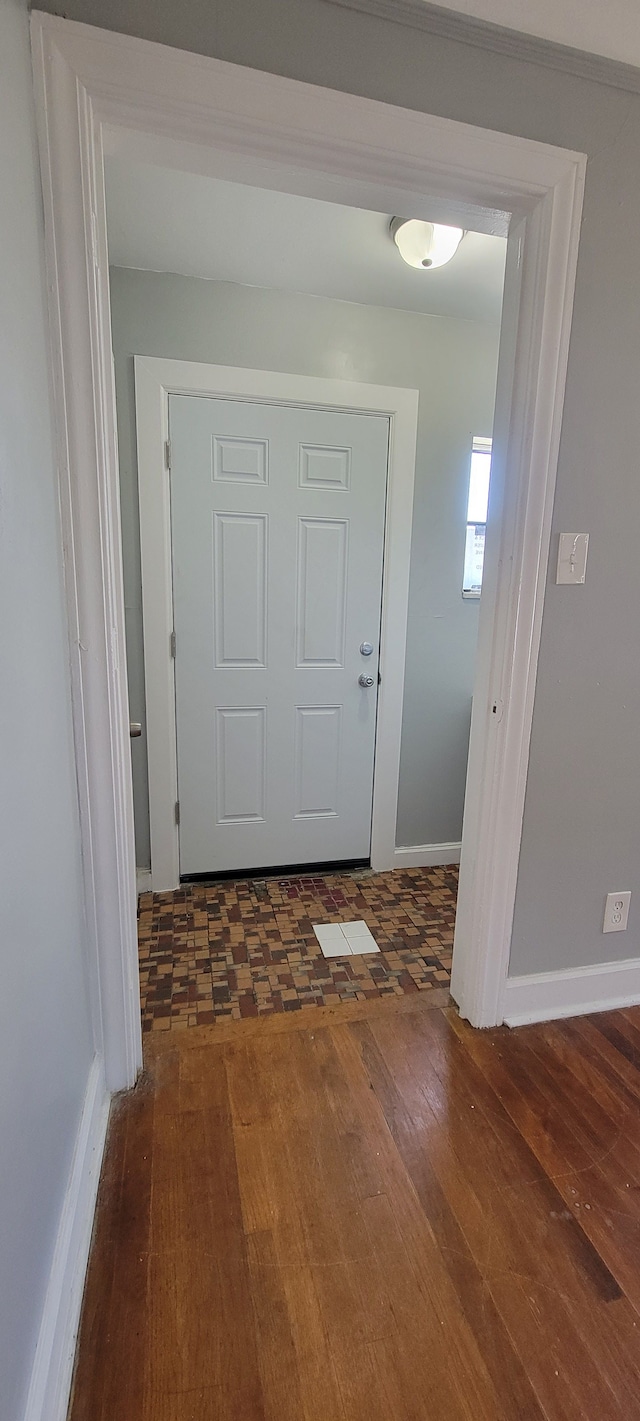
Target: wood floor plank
{"type": "Point", "coordinates": [418, 1250]}
{"type": "Point", "coordinates": [604, 1117]}
{"type": "Point", "coordinates": [93, 1362]}
{"type": "Point", "coordinates": [277, 1358]}
{"type": "Point", "coordinates": [278, 1245]}
{"type": "Point", "coordinates": [200, 1298]}
{"type": "Point", "coordinates": [604, 1180]}
{"type": "Point", "coordinates": [312, 1224]}
{"type": "Point", "coordinates": [622, 1029]}
{"type": "Point", "coordinates": [371, 1214]}
{"type": "Point", "coordinates": [321, 1395]}
{"type": "Point", "coordinates": [318, 1235]}
{"type": "Point", "coordinates": [512, 1385]}
{"type": "Point", "coordinates": [126, 1321]}
{"type": "Point", "coordinates": [614, 1326]}
{"type": "Point", "coordinates": [490, 1310]}
{"type": "Point", "coordinates": [352, 1282]}
{"type": "Point", "coordinates": [114, 1313]}
{"type": "Point", "coordinates": [552, 1255]}
{"type": "Point", "coordinates": [613, 1067]}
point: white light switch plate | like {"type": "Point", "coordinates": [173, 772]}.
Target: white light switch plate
{"type": "Point", "coordinates": [616, 912]}
{"type": "Point", "coordinates": [572, 557]}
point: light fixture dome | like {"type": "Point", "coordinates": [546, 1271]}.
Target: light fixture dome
{"type": "Point", "coordinates": [425, 244]}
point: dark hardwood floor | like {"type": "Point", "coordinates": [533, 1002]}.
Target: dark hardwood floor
{"type": "Point", "coordinates": [371, 1212]}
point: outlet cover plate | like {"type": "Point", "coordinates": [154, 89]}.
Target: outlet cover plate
{"type": "Point", "coordinates": [572, 557]}
{"type": "Point", "coordinates": [616, 912]}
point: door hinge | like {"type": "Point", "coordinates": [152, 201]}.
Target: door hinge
{"type": "Point", "coordinates": [177, 811]}
{"type": "Point", "coordinates": [167, 454]}
{"type": "Point", "coordinates": [172, 645]}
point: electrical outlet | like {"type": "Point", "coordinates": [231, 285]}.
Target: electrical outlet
{"type": "Point", "coordinates": [616, 912]}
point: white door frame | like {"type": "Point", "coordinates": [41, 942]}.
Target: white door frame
{"type": "Point", "coordinates": [155, 380]}
{"type": "Point", "coordinates": [96, 89]}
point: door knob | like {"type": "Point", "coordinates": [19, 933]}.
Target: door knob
{"type": "Point", "coordinates": [135, 729]}
{"type": "Point", "coordinates": [365, 681]}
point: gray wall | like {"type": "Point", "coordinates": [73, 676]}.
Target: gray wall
{"type": "Point", "coordinates": [582, 813]}
{"type": "Point", "coordinates": [45, 1041]}
{"type": "Point", "coordinates": [453, 364]}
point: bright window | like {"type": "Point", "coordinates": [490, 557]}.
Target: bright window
{"type": "Point", "coordinates": [476, 516]}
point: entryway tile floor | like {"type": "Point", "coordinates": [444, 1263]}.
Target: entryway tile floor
{"type": "Point", "coordinates": [249, 947]}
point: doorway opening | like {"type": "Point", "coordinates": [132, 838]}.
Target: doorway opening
{"type": "Point", "coordinates": [99, 94]}
{"type": "Point", "coordinates": [305, 428]}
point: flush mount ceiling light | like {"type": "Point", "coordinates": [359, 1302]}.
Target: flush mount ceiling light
{"type": "Point", "coordinates": [425, 244]}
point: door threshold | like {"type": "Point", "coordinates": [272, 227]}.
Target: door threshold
{"type": "Point", "coordinates": [285, 870]}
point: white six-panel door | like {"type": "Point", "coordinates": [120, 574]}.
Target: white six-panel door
{"type": "Point", "coordinates": [277, 519]}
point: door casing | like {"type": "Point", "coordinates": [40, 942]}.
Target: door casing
{"type": "Point", "coordinates": [99, 91]}
{"type": "Point", "coordinates": [155, 380]}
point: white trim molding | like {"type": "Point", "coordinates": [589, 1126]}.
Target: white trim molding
{"type": "Point", "coordinates": [52, 1371]}
{"type": "Point", "coordinates": [500, 39]}
{"type": "Point", "coordinates": [426, 855]}
{"type": "Point", "coordinates": [97, 90]}
{"type": "Point", "coordinates": [546, 996]}
{"type": "Point", "coordinates": [85, 428]}
{"type": "Point", "coordinates": [155, 380]}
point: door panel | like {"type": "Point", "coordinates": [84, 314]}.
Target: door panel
{"type": "Point", "coordinates": [239, 460]}
{"type": "Point", "coordinates": [322, 467]}
{"type": "Point", "coordinates": [241, 744]}
{"type": "Point", "coordinates": [322, 591]}
{"type": "Point", "coordinates": [318, 744]}
{"type": "Point", "coordinates": [239, 563]}
{"type": "Point", "coordinates": [277, 539]}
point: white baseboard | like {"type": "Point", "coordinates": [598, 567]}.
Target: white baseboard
{"type": "Point", "coordinates": [426, 855]}
{"type": "Point", "coordinates": [51, 1377]}
{"type": "Point", "coordinates": [143, 880]}
{"type": "Point", "coordinates": [549, 995]}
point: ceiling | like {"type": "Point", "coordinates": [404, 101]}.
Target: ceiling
{"type": "Point", "coordinates": [607, 27]}
{"type": "Point", "coordinates": [161, 219]}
